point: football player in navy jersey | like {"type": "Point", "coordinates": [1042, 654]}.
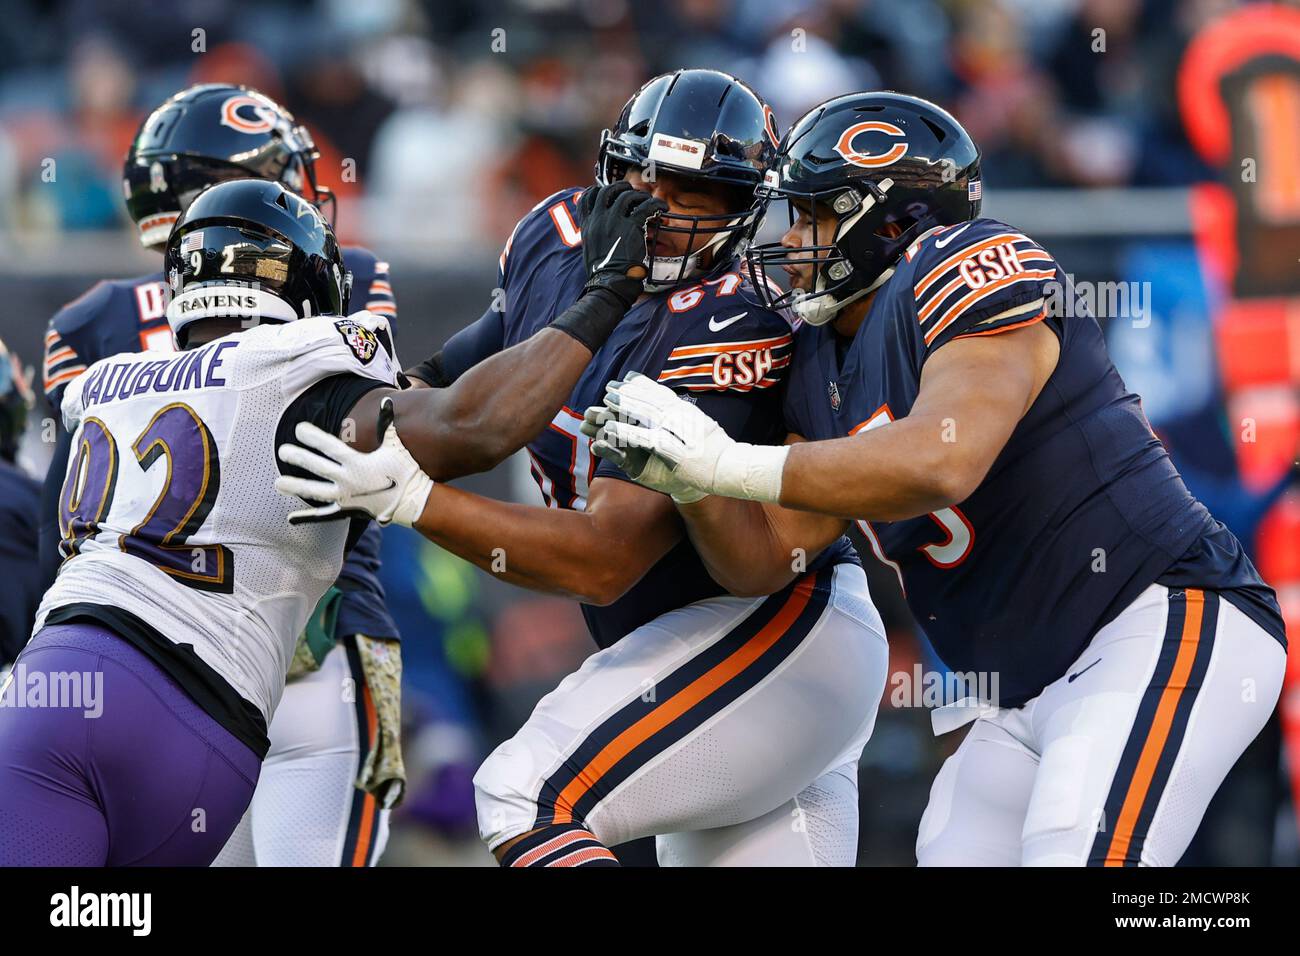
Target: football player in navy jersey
{"type": "Point", "coordinates": [706, 719]}
{"type": "Point", "coordinates": [19, 507]}
{"type": "Point", "coordinates": [942, 396]}
{"type": "Point", "coordinates": [200, 136]}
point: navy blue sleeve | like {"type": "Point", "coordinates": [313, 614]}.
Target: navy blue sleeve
{"type": "Point", "coordinates": [71, 343]}
{"type": "Point", "coordinates": [985, 279]}
{"type": "Point", "coordinates": [24, 583]}
{"type": "Point", "coordinates": [372, 289]}
{"type": "Point", "coordinates": [474, 343]}
{"type": "Point", "coordinates": [48, 533]}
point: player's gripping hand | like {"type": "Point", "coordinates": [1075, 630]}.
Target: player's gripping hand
{"type": "Point", "coordinates": [614, 221]}
{"type": "Point", "coordinates": [648, 431]}
{"type": "Point", "coordinates": [667, 443]}
{"type": "Point", "coordinates": [633, 450]}
{"type": "Point", "coordinates": [386, 483]}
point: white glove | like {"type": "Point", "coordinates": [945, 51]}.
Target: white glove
{"type": "Point", "coordinates": [670, 445]}
{"type": "Point", "coordinates": [386, 484]}
{"type": "Point", "coordinates": [637, 462]}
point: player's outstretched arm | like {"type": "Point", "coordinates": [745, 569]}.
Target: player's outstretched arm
{"type": "Point", "coordinates": [973, 392]}
{"type": "Point", "coordinates": [503, 402]}
{"type": "Point", "coordinates": [750, 547]}
{"type": "Point", "coordinates": [593, 556]}
{"type": "Point", "coordinates": [489, 413]}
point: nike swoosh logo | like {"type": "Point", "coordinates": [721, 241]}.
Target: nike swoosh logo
{"type": "Point", "coordinates": [940, 243]}
{"type": "Point", "coordinates": [609, 255]}
{"type": "Point", "coordinates": [392, 483]}
{"type": "Point", "coordinates": [1084, 671]}
{"type": "Point", "coordinates": [716, 326]}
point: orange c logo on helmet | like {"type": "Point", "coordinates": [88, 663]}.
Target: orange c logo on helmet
{"type": "Point", "coordinates": [230, 115]}
{"type": "Point", "coordinates": [769, 123]}
{"type": "Point", "coordinates": [871, 160]}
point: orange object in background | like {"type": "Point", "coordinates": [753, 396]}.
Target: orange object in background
{"type": "Point", "coordinates": [1266, 422]}
{"type": "Point", "coordinates": [1277, 557]}
{"type": "Point", "coordinates": [1239, 94]}
{"type": "Point", "coordinates": [1258, 342]}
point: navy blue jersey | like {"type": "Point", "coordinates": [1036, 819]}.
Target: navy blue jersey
{"type": "Point", "coordinates": [709, 340]}
{"type": "Point", "coordinates": [1081, 511]}
{"type": "Point", "coordinates": [130, 315]}
{"type": "Point", "coordinates": [19, 500]}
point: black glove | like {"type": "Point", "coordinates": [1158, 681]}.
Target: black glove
{"type": "Point", "coordinates": [614, 238]}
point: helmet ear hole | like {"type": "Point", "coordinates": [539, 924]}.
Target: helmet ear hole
{"type": "Point", "coordinates": [895, 227]}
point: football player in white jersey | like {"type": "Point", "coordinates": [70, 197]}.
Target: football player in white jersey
{"type": "Point", "coordinates": [173, 619]}
{"type": "Point", "coordinates": [331, 772]}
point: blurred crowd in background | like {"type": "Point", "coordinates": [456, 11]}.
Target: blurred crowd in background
{"type": "Point", "coordinates": [441, 122]}
{"type": "Point", "coordinates": [458, 115]}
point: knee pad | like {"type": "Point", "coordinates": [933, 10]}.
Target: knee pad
{"type": "Point", "coordinates": [505, 794]}
{"type": "Point", "coordinates": [938, 810]}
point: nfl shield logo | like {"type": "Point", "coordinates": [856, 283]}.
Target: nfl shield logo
{"type": "Point", "coordinates": [834, 391]}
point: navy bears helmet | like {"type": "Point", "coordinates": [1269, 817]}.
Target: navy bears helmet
{"type": "Point", "coordinates": [872, 159]}
{"type": "Point", "coordinates": [700, 124]}
{"type": "Point", "coordinates": [208, 134]}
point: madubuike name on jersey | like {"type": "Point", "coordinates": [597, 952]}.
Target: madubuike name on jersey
{"type": "Point", "coordinates": [1080, 512]}
{"type": "Point", "coordinates": [708, 338]}
{"type": "Point", "coordinates": [130, 315]}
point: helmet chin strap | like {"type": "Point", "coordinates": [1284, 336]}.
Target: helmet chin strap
{"type": "Point", "coordinates": [820, 309]}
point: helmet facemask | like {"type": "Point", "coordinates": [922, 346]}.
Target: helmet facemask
{"type": "Point", "coordinates": [727, 237]}
{"type": "Point", "coordinates": [726, 234]}
{"type": "Point", "coordinates": [838, 281]}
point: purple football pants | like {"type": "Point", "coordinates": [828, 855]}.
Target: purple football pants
{"type": "Point", "coordinates": [112, 764]}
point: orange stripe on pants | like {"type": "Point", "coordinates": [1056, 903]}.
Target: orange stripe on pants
{"type": "Point", "coordinates": [366, 831]}
{"type": "Point", "coordinates": [684, 700]}
{"type": "Point", "coordinates": [1158, 735]}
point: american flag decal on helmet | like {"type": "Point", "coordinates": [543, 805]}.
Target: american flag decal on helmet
{"type": "Point", "coordinates": [975, 190]}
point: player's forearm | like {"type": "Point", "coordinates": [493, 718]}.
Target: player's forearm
{"type": "Point", "coordinates": [494, 409]}
{"type": "Point", "coordinates": [552, 550]}
{"type": "Point", "coordinates": [752, 549]}
{"type": "Point", "coordinates": [736, 544]}
{"type": "Point", "coordinates": [901, 470]}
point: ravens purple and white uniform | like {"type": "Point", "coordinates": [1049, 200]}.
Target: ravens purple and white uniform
{"type": "Point", "coordinates": [728, 672]}
{"type": "Point", "coordinates": [334, 822]}
{"type": "Point", "coordinates": [1117, 616]}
